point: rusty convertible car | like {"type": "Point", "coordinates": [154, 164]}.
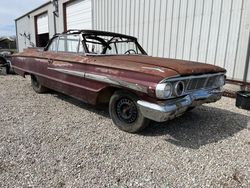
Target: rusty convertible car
{"type": "Point", "coordinates": [103, 67]}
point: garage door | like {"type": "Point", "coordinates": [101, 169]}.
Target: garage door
{"type": "Point", "coordinates": [79, 14]}
{"type": "Point", "coordinates": [42, 24]}
{"type": "Point", "coordinates": [42, 32]}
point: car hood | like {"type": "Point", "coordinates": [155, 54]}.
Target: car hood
{"type": "Point", "coordinates": [181, 67]}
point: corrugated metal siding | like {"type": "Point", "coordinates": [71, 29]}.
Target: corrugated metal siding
{"type": "Point", "coordinates": [26, 26]}
{"type": "Point", "coordinates": [23, 28]}
{"type": "Point", "coordinates": [209, 31]}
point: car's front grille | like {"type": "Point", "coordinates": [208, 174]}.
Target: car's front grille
{"type": "Point", "coordinates": [193, 83]}
{"type": "Point", "coordinates": [211, 81]}
{"type": "Point", "coordinates": [201, 83]}
{"type": "Point", "coordinates": [196, 83]}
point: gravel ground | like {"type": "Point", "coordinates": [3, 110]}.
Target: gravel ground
{"type": "Point", "coordinates": [52, 140]}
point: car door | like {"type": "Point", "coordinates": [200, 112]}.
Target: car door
{"type": "Point", "coordinates": [66, 66]}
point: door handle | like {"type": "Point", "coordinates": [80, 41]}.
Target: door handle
{"type": "Point", "coordinates": [50, 61]}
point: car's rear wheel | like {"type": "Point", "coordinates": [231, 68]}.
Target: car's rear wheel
{"type": "Point", "coordinates": [3, 71]}
{"type": "Point", "coordinates": [36, 85]}
{"type": "Point", "coordinates": [125, 113]}
{"type": "Point", "coordinates": [3, 68]}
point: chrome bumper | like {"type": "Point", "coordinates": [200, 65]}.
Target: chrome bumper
{"type": "Point", "coordinates": [176, 107]}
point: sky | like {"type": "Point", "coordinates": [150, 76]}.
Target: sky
{"type": "Point", "coordinates": [12, 9]}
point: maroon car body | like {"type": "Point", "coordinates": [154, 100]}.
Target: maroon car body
{"type": "Point", "coordinates": [95, 76]}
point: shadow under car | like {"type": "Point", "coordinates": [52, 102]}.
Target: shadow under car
{"type": "Point", "coordinates": [194, 129]}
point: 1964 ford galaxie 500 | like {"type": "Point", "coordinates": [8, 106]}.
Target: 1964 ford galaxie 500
{"type": "Point", "coordinates": [103, 67]}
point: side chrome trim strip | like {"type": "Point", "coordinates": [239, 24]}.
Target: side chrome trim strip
{"type": "Point", "coordinates": [69, 72]}
{"type": "Point", "coordinates": [103, 79]}
{"type": "Point", "coordinates": [52, 78]}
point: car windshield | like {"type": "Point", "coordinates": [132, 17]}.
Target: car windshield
{"type": "Point", "coordinates": [112, 45]}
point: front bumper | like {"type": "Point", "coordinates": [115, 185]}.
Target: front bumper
{"type": "Point", "coordinates": [176, 107]}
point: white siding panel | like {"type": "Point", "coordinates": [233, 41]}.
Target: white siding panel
{"type": "Point", "coordinates": [174, 29]}
{"type": "Point", "coordinates": [189, 29]}
{"type": "Point", "coordinates": [223, 33]}
{"type": "Point", "coordinates": [208, 31]}
{"type": "Point", "coordinates": [205, 30]}
{"type": "Point", "coordinates": [42, 24]}
{"type": "Point", "coordinates": [146, 25]}
{"type": "Point", "coordinates": [168, 28]}
{"type": "Point", "coordinates": [181, 29]}
{"type": "Point", "coordinates": [151, 25]}
{"type": "Point", "coordinates": [161, 30]}
{"type": "Point", "coordinates": [79, 14]}
{"type": "Point", "coordinates": [196, 34]}
{"type": "Point", "coordinates": [23, 28]}
{"type": "Point", "coordinates": [231, 54]}
{"type": "Point", "coordinates": [243, 41]}
{"type": "Point", "coordinates": [141, 22]}
{"type": "Point", "coordinates": [214, 31]}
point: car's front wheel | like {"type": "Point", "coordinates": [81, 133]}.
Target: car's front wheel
{"type": "Point", "coordinates": [125, 113]}
{"type": "Point", "coordinates": [36, 85]}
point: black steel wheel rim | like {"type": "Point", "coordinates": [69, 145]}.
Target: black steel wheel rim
{"type": "Point", "coordinates": [126, 110]}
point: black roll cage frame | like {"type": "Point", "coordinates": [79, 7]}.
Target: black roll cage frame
{"type": "Point", "coordinates": [93, 34]}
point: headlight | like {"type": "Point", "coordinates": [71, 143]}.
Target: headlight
{"type": "Point", "coordinates": [179, 88]}
{"type": "Point", "coordinates": [164, 91]}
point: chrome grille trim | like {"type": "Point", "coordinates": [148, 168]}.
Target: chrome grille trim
{"type": "Point", "coordinates": [191, 77]}
{"type": "Point", "coordinates": [194, 83]}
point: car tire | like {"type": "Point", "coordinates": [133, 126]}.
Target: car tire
{"type": "Point", "coordinates": [3, 71]}
{"type": "Point", "coordinates": [37, 87]}
{"type": "Point", "coordinates": [125, 113]}
{"type": "Point", "coordinates": [8, 69]}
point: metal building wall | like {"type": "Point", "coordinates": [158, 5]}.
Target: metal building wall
{"type": "Point", "coordinates": [209, 31]}
{"type": "Point", "coordinates": [23, 28]}
{"type": "Point", "coordinates": [26, 24]}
